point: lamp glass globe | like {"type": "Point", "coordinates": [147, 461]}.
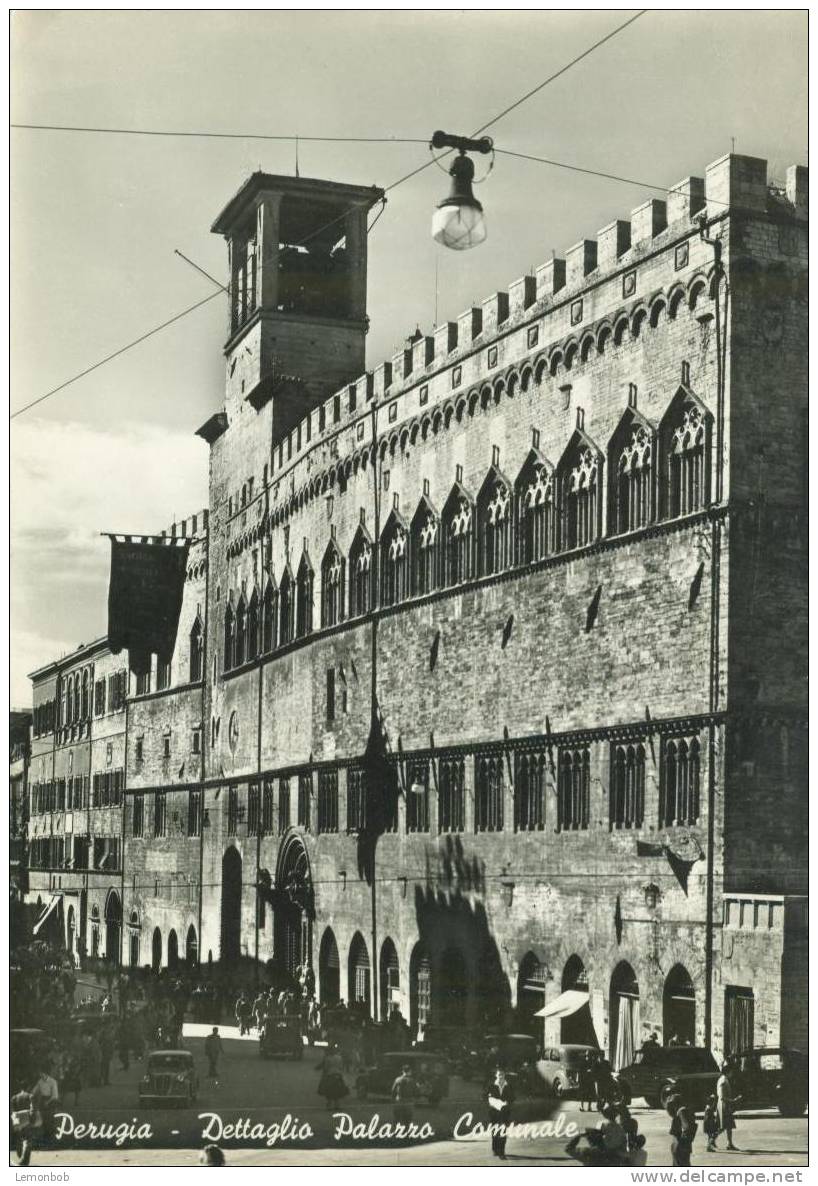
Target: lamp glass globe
{"type": "Point", "coordinates": [458, 227]}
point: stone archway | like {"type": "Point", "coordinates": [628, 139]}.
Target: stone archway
{"type": "Point", "coordinates": [530, 994]}
{"type": "Point", "coordinates": [679, 1008]}
{"type": "Point", "coordinates": [95, 932]}
{"type": "Point", "coordinates": [578, 1026]}
{"type": "Point", "coordinates": [133, 940]}
{"type": "Point", "coordinates": [360, 977]}
{"type": "Point", "coordinates": [173, 951]}
{"type": "Point", "coordinates": [230, 948]}
{"type": "Point", "coordinates": [191, 947]}
{"type": "Point", "coordinates": [624, 1022]}
{"type": "Point", "coordinates": [389, 979]}
{"type": "Point", "coordinates": [71, 931]}
{"type": "Point", "coordinates": [293, 910]}
{"type": "Point", "coordinates": [113, 927]}
{"type": "Point", "coordinates": [329, 969]}
{"type": "Point", "coordinates": [420, 990]}
{"type": "Point", "coordinates": [156, 950]}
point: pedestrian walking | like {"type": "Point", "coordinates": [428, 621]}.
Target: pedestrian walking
{"type": "Point", "coordinates": [725, 1103]}
{"type": "Point", "coordinates": [710, 1123]}
{"type": "Point", "coordinates": [243, 1014]}
{"type": "Point", "coordinates": [683, 1129]}
{"type": "Point", "coordinates": [586, 1082]}
{"type": "Point", "coordinates": [72, 1078]}
{"type": "Point", "coordinates": [500, 1098]}
{"type": "Point", "coordinates": [404, 1093]}
{"type": "Point", "coordinates": [45, 1096]}
{"type": "Point", "coordinates": [213, 1051]}
{"type": "Point", "coordinates": [332, 1085]}
{"type": "Point", "coordinates": [607, 1090]}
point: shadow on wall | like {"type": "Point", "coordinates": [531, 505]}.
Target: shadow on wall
{"type": "Point", "coordinates": [469, 986]}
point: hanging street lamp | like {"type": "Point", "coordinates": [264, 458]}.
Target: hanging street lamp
{"type": "Point", "coordinates": [458, 222]}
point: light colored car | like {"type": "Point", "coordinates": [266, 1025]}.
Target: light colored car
{"type": "Point", "coordinates": [558, 1069]}
{"type": "Point", "coordinates": [170, 1078]}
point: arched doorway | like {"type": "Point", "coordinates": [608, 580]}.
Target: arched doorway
{"type": "Point", "coordinates": [329, 970]}
{"type": "Point", "coordinates": [173, 951]}
{"type": "Point", "coordinates": [231, 905]}
{"type": "Point", "coordinates": [133, 941]}
{"type": "Point", "coordinates": [191, 947]}
{"type": "Point", "coordinates": [420, 990]}
{"type": "Point", "coordinates": [624, 1022]}
{"type": "Point", "coordinates": [83, 913]}
{"type": "Point", "coordinates": [577, 1026]}
{"type": "Point", "coordinates": [113, 927]}
{"type": "Point", "coordinates": [360, 991]}
{"type": "Point", "coordinates": [95, 932]}
{"type": "Point", "coordinates": [679, 1008]}
{"type": "Point", "coordinates": [71, 931]}
{"type": "Point", "coordinates": [453, 989]}
{"type": "Point", "coordinates": [530, 994]}
{"type": "Point", "coordinates": [389, 979]}
{"type": "Point", "coordinates": [293, 911]}
{"type": "Point", "coordinates": [156, 950]}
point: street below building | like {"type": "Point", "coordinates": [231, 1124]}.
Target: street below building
{"type": "Point", "coordinates": [256, 1093]}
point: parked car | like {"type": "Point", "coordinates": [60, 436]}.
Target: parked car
{"type": "Point", "coordinates": [429, 1070]}
{"type": "Point", "coordinates": [764, 1077]}
{"type": "Point", "coordinates": [29, 1051]}
{"type": "Point", "coordinates": [516, 1053]}
{"type": "Point", "coordinates": [558, 1069]}
{"type": "Point", "coordinates": [655, 1069]}
{"type": "Point", "coordinates": [170, 1078]}
{"type": "Point", "coordinates": [281, 1037]}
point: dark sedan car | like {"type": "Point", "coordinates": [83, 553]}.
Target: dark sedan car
{"type": "Point", "coordinates": [765, 1077]}
{"type": "Point", "coordinates": [655, 1069]}
{"type": "Point", "coordinates": [170, 1078]}
{"type": "Point", "coordinates": [429, 1071]}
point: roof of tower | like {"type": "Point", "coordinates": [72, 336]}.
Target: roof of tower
{"type": "Point", "coordinates": [300, 187]}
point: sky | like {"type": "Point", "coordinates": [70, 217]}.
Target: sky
{"type": "Point", "coordinates": [96, 219]}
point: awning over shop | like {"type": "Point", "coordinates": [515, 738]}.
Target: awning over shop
{"type": "Point", "coordinates": [565, 1004]}
{"type": "Point", "coordinates": [49, 910]}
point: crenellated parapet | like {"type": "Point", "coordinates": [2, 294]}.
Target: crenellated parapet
{"type": "Point", "coordinates": [546, 326]}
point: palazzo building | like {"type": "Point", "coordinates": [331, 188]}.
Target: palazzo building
{"type": "Point", "coordinates": [557, 548]}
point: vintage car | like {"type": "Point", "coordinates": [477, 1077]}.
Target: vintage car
{"type": "Point", "coordinates": [558, 1069]}
{"type": "Point", "coordinates": [655, 1069]}
{"type": "Point", "coordinates": [281, 1037]}
{"type": "Point", "coordinates": [765, 1077]}
{"type": "Point", "coordinates": [429, 1071]}
{"type": "Point", "coordinates": [516, 1053]}
{"type": "Point", "coordinates": [170, 1078]}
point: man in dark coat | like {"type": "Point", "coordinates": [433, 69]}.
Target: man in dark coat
{"type": "Point", "coordinates": [500, 1098]}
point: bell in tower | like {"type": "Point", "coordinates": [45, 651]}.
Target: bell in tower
{"type": "Point", "coordinates": [298, 321]}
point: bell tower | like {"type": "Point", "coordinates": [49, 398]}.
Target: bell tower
{"type": "Point", "coordinates": [298, 251]}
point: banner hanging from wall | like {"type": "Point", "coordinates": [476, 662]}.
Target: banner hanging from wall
{"type": "Point", "coordinates": [145, 596]}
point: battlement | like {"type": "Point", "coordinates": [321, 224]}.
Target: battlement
{"type": "Point", "coordinates": [599, 285]}
{"type": "Point", "coordinates": [190, 528]}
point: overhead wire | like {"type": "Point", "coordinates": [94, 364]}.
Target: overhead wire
{"type": "Point", "coordinates": [222, 135]}
{"type": "Point", "coordinates": [394, 185]}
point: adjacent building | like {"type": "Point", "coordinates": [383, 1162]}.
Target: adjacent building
{"type": "Point", "coordinates": [556, 551]}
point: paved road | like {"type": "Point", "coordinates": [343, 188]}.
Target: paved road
{"type": "Point", "coordinates": [265, 1092]}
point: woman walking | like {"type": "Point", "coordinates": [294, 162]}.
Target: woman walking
{"type": "Point", "coordinates": [332, 1085]}
{"type": "Point", "coordinates": [725, 1103]}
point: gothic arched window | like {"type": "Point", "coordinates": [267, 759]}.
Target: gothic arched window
{"type": "Point", "coordinates": [494, 505]}
{"type": "Point", "coordinates": [240, 645]}
{"type": "Point", "coordinates": [86, 696]}
{"type": "Point", "coordinates": [286, 607]}
{"type": "Point", "coordinates": [631, 474]}
{"type": "Point", "coordinates": [685, 452]}
{"type": "Point", "coordinates": [573, 790]}
{"type": "Point", "coordinates": [252, 626]}
{"type": "Point", "coordinates": [332, 586]}
{"type": "Point", "coordinates": [535, 510]}
{"type": "Point", "coordinates": [580, 493]}
{"type": "Point", "coordinates": [394, 561]}
{"type": "Point", "coordinates": [360, 574]}
{"type": "Point", "coordinates": [425, 549]}
{"type": "Point", "coordinates": [303, 616]}
{"type": "Point", "coordinates": [196, 651]}
{"type": "Point", "coordinates": [229, 637]}
{"type": "Point", "coordinates": [679, 791]}
{"type": "Point", "coordinates": [627, 791]}
{"type": "Point", "coordinates": [458, 537]}
{"type": "Point", "coordinates": [69, 701]}
{"type": "Point", "coordinates": [269, 616]}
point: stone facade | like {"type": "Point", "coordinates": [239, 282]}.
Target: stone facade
{"type": "Point", "coordinates": [560, 545]}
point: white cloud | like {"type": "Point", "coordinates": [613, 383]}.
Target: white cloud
{"type": "Point", "coordinates": [69, 482]}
